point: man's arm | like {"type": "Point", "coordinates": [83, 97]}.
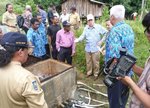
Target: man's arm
{"type": "Point", "coordinates": [58, 41]}
{"type": "Point", "coordinates": [140, 94]}
{"type": "Point", "coordinates": [30, 42]}
{"type": "Point", "coordinates": [49, 33]}
{"type": "Point", "coordinates": [103, 31]}
{"type": "Point", "coordinates": [78, 19]}
{"type": "Point", "coordinates": [81, 37]}
{"type": "Point", "coordinates": [73, 45]}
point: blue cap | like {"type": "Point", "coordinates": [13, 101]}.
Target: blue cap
{"type": "Point", "coordinates": [66, 23]}
{"type": "Point", "coordinates": [14, 39]}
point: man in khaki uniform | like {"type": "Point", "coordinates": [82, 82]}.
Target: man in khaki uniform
{"type": "Point", "coordinates": [74, 19]}
{"type": "Point", "coordinates": [19, 88]}
{"type": "Point", "coordinates": [9, 19]}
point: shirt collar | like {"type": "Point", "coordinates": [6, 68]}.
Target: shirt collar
{"type": "Point", "coordinates": [91, 27]}
{"type": "Point", "coordinates": [15, 63]}
{"type": "Point", "coordinates": [119, 23]}
{"type": "Point", "coordinates": [34, 30]}
{"type": "Point", "coordinates": [65, 31]}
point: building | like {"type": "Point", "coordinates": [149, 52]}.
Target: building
{"type": "Point", "coordinates": [84, 7]}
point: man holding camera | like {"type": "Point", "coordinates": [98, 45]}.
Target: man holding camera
{"type": "Point", "coordinates": [120, 36]}
{"type": "Point", "coordinates": [141, 92]}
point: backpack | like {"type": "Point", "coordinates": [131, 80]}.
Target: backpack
{"type": "Point", "coordinates": [20, 21]}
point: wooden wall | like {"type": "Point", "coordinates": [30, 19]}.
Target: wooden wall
{"type": "Point", "coordinates": [84, 7]}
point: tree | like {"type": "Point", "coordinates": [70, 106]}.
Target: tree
{"type": "Point", "coordinates": [130, 5]}
{"type": "Point", "coordinates": [20, 4]}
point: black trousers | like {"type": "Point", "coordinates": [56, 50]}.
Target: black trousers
{"type": "Point", "coordinates": [54, 52]}
{"type": "Point", "coordinates": [44, 57]}
{"type": "Point", "coordinates": [65, 54]}
{"type": "Point", "coordinates": [118, 95]}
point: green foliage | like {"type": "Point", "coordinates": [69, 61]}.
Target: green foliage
{"type": "Point", "coordinates": [147, 7]}
{"type": "Point", "coordinates": [141, 43]}
{"type": "Point", "coordinates": [18, 9]}
{"type": "Point", "coordinates": [79, 58]}
{"type": "Point", "coordinates": [46, 3]}
{"type": "Point", "coordinates": [105, 15]}
{"type": "Point", "coordinates": [33, 3]}
{"type": "Point", "coordinates": [130, 5]}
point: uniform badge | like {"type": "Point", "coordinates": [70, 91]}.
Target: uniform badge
{"type": "Point", "coordinates": [35, 86]}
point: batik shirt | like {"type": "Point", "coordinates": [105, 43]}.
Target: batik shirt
{"type": "Point", "coordinates": [121, 35]}
{"type": "Point", "coordinates": [42, 29]}
{"type": "Point", "coordinates": [36, 38]}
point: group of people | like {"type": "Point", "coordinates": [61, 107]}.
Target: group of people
{"type": "Point", "coordinates": [15, 47]}
{"type": "Point", "coordinates": [44, 38]}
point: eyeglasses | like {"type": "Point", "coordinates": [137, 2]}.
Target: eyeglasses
{"type": "Point", "coordinates": [90, 20]}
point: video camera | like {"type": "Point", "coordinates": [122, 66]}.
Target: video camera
{"type": "Point", "coordinates": [118, 67]}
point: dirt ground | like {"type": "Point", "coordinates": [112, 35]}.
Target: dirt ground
{"type": "Point", "coordinates": [90, 81]}
{"type": "Point", "coordinates": [96, 85]}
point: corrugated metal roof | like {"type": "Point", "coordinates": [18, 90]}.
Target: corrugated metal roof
{"type": "Point", "coordinates": [94, 1]}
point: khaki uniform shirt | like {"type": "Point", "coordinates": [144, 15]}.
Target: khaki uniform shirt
{"type": "Point", "coordinates": [11, 20]}
{"type": "Point", "coordinates": [19, 88]}
{"type": "Point", "coordinates": [74, 20]}
{"type": "Point", "coordinates": [144, 84]}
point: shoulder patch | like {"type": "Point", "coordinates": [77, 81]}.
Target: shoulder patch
{"type": "Point", "coordinates": [35, 86]}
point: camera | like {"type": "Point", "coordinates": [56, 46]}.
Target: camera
{"type": "Point", "coordinates": [118, 67]}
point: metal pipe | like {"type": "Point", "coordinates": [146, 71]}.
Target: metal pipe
{"type": "Point", "coordinates": [89, 98]}
{"type": "Point", "coordinates": [80, 83]}
{"type": "Point", "coordinates": [96, 92]}
{"type": "Point", "coordinates": [94, 100]}
{"type": "Point", "coordinates": [99, 85]}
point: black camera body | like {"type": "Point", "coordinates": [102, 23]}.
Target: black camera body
{"type": "Point", "coordinates": [118, 67]}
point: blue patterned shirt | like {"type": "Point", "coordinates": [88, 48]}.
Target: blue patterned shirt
{"type": "Point", "coordinates": [36, 38]}
{"type": "Point", "coordinates": [42, 29]}
{"type": "Point", "coordinates": [92, 35]}
{"type": "Point", "coordinates": [121, 35]}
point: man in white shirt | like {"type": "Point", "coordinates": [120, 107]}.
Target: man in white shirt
{"type": "Point", "coordinates": [64, 16]}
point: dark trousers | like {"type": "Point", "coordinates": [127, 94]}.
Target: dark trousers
{"type": "Point", "coordinates": [25, 29]}
{"type": "Point", "coordinates": [44, 57]}
{"type": "Point", "coordinates": [65, 54]}
{"type": "Point", "coordinates": [54, 52]}
{"type": "Point", "coordinates": [118, 95]}
{"type": "Point", "coordinates": [47, 50]}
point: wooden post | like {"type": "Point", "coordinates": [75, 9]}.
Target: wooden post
{"type": "Point", "coordinates": [142, 9]}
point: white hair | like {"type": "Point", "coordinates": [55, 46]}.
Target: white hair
{"type": "Point", "coordinates": [118, 11]}
{"type": "Point", "coordinates": [28, 7]}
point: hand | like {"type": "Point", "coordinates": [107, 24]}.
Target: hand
{"type": "Point", "coordinates": [125, 80]}
{"type": "Point", "coordinates": [72, 54]}
{"type": "Point", "coordinates": [51, 48]}
{"type": "Point", "coordinates": [58, 49]}
{"type": "Point", "coordinates": [76, 40]}
{"type": "Point", "coordinates": [99, 49]}
{"type": "Point", "coordinates": [103, 52]}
